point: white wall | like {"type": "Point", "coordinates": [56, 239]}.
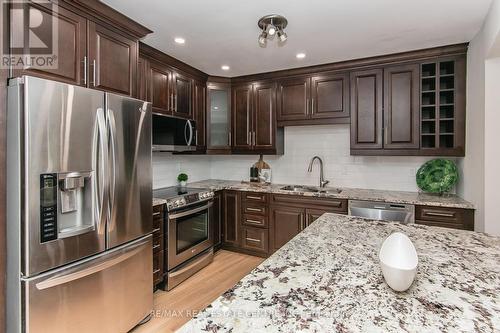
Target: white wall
{"type": "Point", "coordinates": [331, 143]}
{"type": "Point", "coordinates": [480, 166]}
{"type": "Point", "coordinates": [167, 166]}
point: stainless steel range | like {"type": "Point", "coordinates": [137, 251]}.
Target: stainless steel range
{"type": "Point", "coordinates": [188, 231]}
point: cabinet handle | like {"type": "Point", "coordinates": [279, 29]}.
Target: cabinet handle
{"type": "Point", "coordinates": [249, 138]}
{"type": "Point", "coordinates": [175, 99]}
{"type": "Point", "coordinates": [254, 140]}
{"type": "Point", "coordinates": [307, 105]}
{"type": "Point", "coordinates": [253, 240]}
{"type": "Point", "coordinates": [196, 137]}
{"type": "Point", "coordinates": [85, 70]}
{"type": "Point", "coordinates": [254, 198]}
{"type": "Point", "coordinates": [253, 221]}
{"type": "Point", "coordinates": [302, 223]}
{"type": "Point", "coordinates": [229, 136]}
{"type": "Point", "coordinates": [156, 230]}
{"type": "Point", "coordinates": [440, 214]}
{"type": "Point", "coordinates": [157, 214]}
{"type": "Point", "coordinates": [312, 105]}
{"type": "Point", "coordinates": [93, 73]}
{"type": "Point", "coordinates": [254, 209]}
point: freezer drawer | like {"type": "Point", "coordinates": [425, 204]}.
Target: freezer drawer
{"type": "Point", "coordinates": [110, 293]}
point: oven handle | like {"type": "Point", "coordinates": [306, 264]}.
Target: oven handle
{"type": "Point", "coordinates": [189, 212]}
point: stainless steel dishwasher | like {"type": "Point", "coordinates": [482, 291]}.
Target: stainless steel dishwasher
{"type": "Point", "coordinates": [382, 211]}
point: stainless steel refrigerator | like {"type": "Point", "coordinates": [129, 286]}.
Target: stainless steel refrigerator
{"type": "Point", "coordinates": [79, 209]}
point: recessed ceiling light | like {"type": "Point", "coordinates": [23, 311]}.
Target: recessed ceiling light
{"type": "Point", "coordinates": [180, 40]}
{"type": "Point", "coordinates": [216, 108]}
{"type": "Point", "coordinates": [225, 67]}
{"type": "Point", "coordinates": [301, 55]}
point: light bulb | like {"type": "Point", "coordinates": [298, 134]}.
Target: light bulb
{"type": "Point", "coordinates": [272, 30]}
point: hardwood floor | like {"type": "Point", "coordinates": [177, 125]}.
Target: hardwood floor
{"type": "Point", "coordinates": [174, 308]}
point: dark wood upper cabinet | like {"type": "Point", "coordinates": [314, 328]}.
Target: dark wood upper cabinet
{"type": "Point", "coordinates": [200, 112]}
{"type": "Point", "coordinates": [159, 92]}
{"type": "Point", "coordinates": [264, 116]}
{"type": "Point", "coordinates": [219, 136]}
{"type": "Point", "coordinates": [401, 107]}
{"type": "Point", "coordinates": [254, 119]}
{"type": "Point", "coordinates": [366, 109]}
{"type": "Point", "coordinates": [181, 96]}
{"type": "Point", "coordinates": [112, 60]}
{"type": "Point", "coordinates": [232, 213]}
{"type": "Point", "coordinates": [330, 96]}
{"type": "Point", "coordinates": [293, 98]}
{"type": "Point", "coordinates": [72, 41]}
{"type": "Point", "coordinates": [241, 105]}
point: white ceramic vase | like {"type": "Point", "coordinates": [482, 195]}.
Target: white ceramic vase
{"type": "Point", "coordinates": [399, 261]}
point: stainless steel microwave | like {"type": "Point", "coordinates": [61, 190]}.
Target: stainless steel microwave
{"type": "Point", "coordinates": [173, 134]}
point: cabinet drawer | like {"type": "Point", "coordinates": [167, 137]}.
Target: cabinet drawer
{"type": "Point", "coordinates": [254, 209]}
{"type": "Point", "coordinates": [334, 205]}
{"type": "Point", "coordinates": [157, 267]}
{"type": "Point", "coordinates": [157, 242]}
{"type": "Point", "coordinates": [255, 239]}
{"type": "Point", "coordinates": [255, 220]}
{"type": "Point", "coordinates": [254, 197]}
{"type": "Point", "coordinates": [445, 217]}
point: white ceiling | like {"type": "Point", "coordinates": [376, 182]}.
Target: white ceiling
{"type": "Point", "coordinates": [224, 32]}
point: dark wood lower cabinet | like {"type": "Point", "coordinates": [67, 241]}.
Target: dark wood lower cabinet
{"type": "Point", "coordinates": [232, 212]}
{"type": "Point", "coordinates": [455, 218]}
{"type": "Point", "coordinates": [217, 219]}
{"type": "Point", "coordinates": [255, 239]}
{"type": "Point", "coordinates": [286, 223]}
{"type": "Point", "coordinates": [159, 251]}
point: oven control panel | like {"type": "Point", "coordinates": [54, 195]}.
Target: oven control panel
{"type": "Point", "coordinates": [189, 199]}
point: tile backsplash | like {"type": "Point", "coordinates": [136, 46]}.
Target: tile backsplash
{"type": "Point", "coordinates": [330, 142]}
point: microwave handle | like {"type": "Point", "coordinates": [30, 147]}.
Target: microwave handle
{"type": "Point", "coordinates": [190, 126]}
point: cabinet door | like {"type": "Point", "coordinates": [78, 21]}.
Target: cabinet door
{"type": "Point", "coordinates": [401, 107]}
{"type": "Point", "coordinates": [199, 112]}
{"type": "Point", "coordinates": [113, 60]}
{"type": "Point", "coordinates": [159, 92]}
{"type": "Point", "coordinates": [232, 212]}
{"type": "Point", "coordinates": [293, 99]}
{"type": "Point", "coordinates": [219, 118]}
{"type": "Point", "coordinates": [142, 79]}
{"type": "Point", "coordinates": [366, 109]}
{"type": "Point", "coordinates": [217, 214]}
{"type": "Point", "coordinates": [242, 117]}
{"type": "Point", "coordinates": [330, 96]}
{"type": "Point", "coordinates": [286, 223]}
{"type": "Point", "coordinates": [182, 96]}
{"type": "Point", "coordinates": [264, 111]}
{"type": "Point", "coordinates": [72, 41]}
{"type": "Point", "coordinates": [312, 214]}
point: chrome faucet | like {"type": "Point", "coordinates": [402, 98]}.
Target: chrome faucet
{"type": "Point", "coordinates": [322, 181]}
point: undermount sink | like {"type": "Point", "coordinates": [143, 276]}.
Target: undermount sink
{"type": "Point", "coordinates": [310, 189]}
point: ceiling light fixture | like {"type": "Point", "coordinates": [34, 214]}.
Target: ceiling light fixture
{"type": "Point", "coordinates": [225, 67]}
{"type": "Point", "coordinates": [300, 55]}
{"type": "Point", "coordinates": [179, 40]}
{"type": "Point", "coordinates": [271, 25]}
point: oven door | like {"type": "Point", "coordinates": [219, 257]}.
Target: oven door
{"type": "Point", "coordinates": [189, 233]}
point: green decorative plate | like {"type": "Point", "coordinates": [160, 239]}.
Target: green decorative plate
{"type": "Point", "coordinates": [437, 176]}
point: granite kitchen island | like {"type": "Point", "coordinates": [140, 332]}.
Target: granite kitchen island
{"type": "Point", "coordinates": [328, 279]}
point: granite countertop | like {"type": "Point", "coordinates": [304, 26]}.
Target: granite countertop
{"type": "Point", "coordinates": [157, 202]}
{"type": "Point", "coordinates": [402, 197]}
{"type": "Point", "coordinates": [328, 279]}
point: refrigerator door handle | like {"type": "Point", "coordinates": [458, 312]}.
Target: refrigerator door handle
{"type": "Point", "coordinates": [100, 165]}
{"type": "Point", "coordinates": [112, 165]}
{"type": "Point", "coordinates": [86, 271]}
